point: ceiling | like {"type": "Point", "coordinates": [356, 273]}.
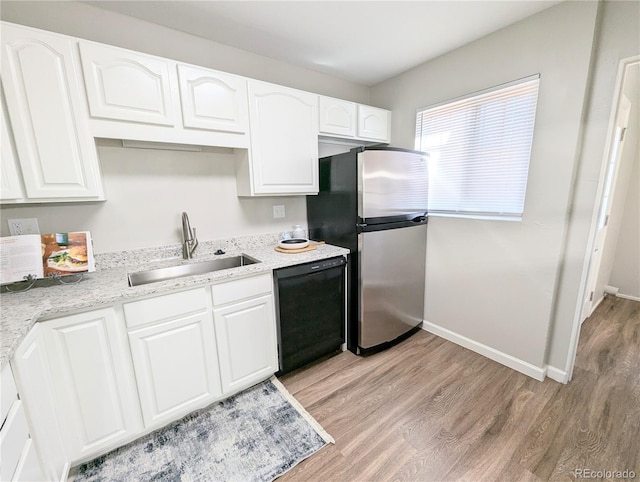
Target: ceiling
{"type": "Point", "coordinates": [362, 41]}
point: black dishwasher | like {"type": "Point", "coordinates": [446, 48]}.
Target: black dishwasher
{"type": "Point", "coordinates": [310, 306]}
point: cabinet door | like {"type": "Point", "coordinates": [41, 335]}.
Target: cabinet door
{"type": "Point", "coordinates": [247, 345]}
{"type": "Point", "coordinates": [213, 100]}
{"type": "Point", "coordinates": [31, 367]}
{"type": "Point", "coordinates": [284, 140]}
{"type": "Point", "coordinates": [47, 111]}
{"type": "Point", "coordinates": [337, 117]}
{"type": "Point", "coordinates": [176, 367]}
{"type": "Point", "coordinates": [373, 123]}
{"type": "Point", "coordinates": [93, 381]}
{"type": "Point", "coordinates": [128, 86]}
{"type": "Point", "coordinates": [10, 183]}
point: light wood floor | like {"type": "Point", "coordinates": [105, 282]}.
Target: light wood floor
{"type": "Point", "coordinates": [429, 410]}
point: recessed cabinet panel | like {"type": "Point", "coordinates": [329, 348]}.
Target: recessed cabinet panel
{"type": "Point", "coordinates": [176, 367]}
{"type": "Point", "coordinates": [92, 380]}
{"type": "Point", "coordinates": [32, 370]}
{"type": "Point", "coordinates": [56, 152]}
{"type": "Point", "coordinates": [10, 183]}
{"type": "Point", "coordinates": [13, 436]}
{"type": "Point", "coordinates": [246, 342]}
{"type": "Point", "coordinates": [337, 117]}
{"type": "Point", "coordinates": [284, 140]}
{"type": "Point", "coordinates": [126, 85]}
{"type": "Point", "coordinates": [213, 100]}
{"type": "Point", "coordinates": [373, 123]}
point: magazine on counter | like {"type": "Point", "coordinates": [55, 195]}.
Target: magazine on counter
{"type": "Point", "coordinates": [43, 255]}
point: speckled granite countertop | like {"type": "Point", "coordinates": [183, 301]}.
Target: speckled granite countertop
{"type": "Point", "coordinates": [108, 284]}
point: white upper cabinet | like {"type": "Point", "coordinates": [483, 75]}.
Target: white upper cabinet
{"type": "Point", "coordinates": [10, 181]}
{"type": "Point", "coordinates": [213, 100]}
{"type": "Point", "coordinates": [373, 123]}
{"type": "Point", "coordinates": [47, 111]}
{"type": "Point", "coordinates": [142, 97]}
{"type": "Point", "coordinates": [348, 120]}
{"type": "Point", "coordinates": [337, 117]}
{"type": "Point", "coordinates": [283, 158]}
{"type": "Point", "coordinates": [126, 85]}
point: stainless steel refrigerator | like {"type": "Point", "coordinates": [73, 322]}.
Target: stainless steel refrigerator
{"type": "Point", "coordinates": [373, 201]}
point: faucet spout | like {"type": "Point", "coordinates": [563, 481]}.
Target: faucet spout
{"type": "Point", "coordinates": [189, 239]}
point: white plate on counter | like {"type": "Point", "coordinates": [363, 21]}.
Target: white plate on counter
{"type": "Point", "coordinates": [293, 243]}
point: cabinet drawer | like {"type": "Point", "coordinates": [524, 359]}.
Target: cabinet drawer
{"type": "Point", "coordinates": [13, 436]}
{"type": "Point", "coordinates": [9, 392]}
{"type": "Point", "coordinates": [242, 288]}
{"type": "Point", "coordinates": [163, 307]}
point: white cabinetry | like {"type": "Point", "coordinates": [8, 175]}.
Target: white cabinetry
{"type": "Point", "coordinates": [174, 354]}
{"type": "Point", "coordinates": [10, 182]}
{"type": "Point", "coordinates": [213, 100]}
{"type": "Point", "coordinates": [373, 123]}
{"type": "Point", "coordinates": [246, 331]}
{"type": "Point", "coordinates": [348, 120]}
{"type": "Point", "coordinates": [338, 117]}
{"type": "Point", "coordinates": [93, 382]}
{"type": "Point", "coordinates": [283, 158]}
{"type": "Point", "coordinates": [44, 457]}
{"type": "Point", "coordinates": [126, 85]}
{"type": "Point", "coordinates": [136, 96]}
{"type": "Point", "coordinates": [47, 111]}
{"type": "Point", "coordinates": [16, 446]}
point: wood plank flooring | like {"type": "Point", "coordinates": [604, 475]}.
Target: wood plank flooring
{"type": "Point", "coordinates": [429, 410]}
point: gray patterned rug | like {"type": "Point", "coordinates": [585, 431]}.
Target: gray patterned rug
{"type": "Point", "coordinates": [256, 435]}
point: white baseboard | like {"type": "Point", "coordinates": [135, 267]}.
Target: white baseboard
{"type": "Point", "coordinates": [491, 353]}
{"type": "Point", "coordinates": [557, 374]}
{"type": "Point", "coordinates": [628, 297]}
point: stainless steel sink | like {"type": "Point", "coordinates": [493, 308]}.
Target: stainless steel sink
{"type": "Point", "coordinates": [163, 274]}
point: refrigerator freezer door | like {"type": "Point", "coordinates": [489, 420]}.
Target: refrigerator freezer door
{"type": "Point", "coordinates": [392, 273]}
{"type": "Point", "coordinates": [391, 183]}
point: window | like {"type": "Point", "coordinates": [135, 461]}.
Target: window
{"type": "Point", "coordinates": [479, 148]}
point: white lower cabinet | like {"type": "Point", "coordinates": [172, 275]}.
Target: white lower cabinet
{"type": "Point", "coordinates": [176, 367]}
{"type": "Point", "coordinates": [19, 460]}
{"type": "Point", "coordinates": [244, 317]}
{"type": "Point", "coordinates": [44, 458]}
{"type": "Point", "coordinates": [92, 380]}
{"type": "Point", "coordinates": [246, 342]}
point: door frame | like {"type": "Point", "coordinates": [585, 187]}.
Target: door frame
{"type": "Point", "coordinates": [623, 65]}
{"type": "Point", "coordinates": [609, 182]}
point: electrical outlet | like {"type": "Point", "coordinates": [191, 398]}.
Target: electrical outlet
{"type": "Point", "coordinates": [23, 226]}
{"type": "Point", "coordinates": [278, 211]}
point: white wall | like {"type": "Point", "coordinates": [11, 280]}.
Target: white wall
{"type": "Point", "coordinates": [493, 282]}
{"type": "Point", "coordinates": [148, 189]}
{"type": "Point", "coordinates": [93, 23]}
{"type": "Point", "coordinates": [618, 38]}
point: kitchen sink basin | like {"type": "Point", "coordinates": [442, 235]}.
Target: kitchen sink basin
{"type": "Point", "coordinates": [163, 274]}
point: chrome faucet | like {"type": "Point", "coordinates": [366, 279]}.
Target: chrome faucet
{"type": "Point", "coordinates": [189, 239]}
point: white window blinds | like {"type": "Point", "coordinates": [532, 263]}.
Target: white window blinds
{"type": "Point", "coordinates": [479, 148]}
